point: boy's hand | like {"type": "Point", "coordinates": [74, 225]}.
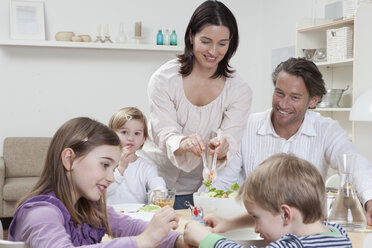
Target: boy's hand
{"type": "Point", "coordinates": [217, 223]}
{"type": "Point", "coordinates": [195, 232]}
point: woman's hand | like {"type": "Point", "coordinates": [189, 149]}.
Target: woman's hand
{"type": "Point", "coordinates": [219, 146]}
{"type": "Point", "coordinates": [163, 221]}
{"type": "Point", "coordinates": [193, 143]}
{"type": "Point", "coordinates": [195, 232]}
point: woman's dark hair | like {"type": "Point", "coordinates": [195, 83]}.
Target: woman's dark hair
{"type": "Point", "coordinates": [210, 13]}
{"type": "Point", "coordinates": [305, 69]}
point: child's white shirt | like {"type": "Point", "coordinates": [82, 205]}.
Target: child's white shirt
{"type": "Point", "coordinates": [132, 187]}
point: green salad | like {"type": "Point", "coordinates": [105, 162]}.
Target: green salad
{"type": "Point", "coordinates": [218, 193]}
{"type": "Point", "coordinates": [148, 208]}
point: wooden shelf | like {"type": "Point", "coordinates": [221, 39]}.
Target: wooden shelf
{"type": "Point", "coordinates": [335, 24]}
{"type": "Point", "coordinates": [334, 64]}
{"type": "Point", "coordinates": [91, 45]}
{"type": "Point", "coordinates": [332, 109]}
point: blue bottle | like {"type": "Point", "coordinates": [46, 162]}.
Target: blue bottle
{"type": "Point", "coordinates": [173, 38]}
{"type": "Point", "coordinates": [159, 38]}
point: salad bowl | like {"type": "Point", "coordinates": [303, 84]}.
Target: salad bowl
{"type": "Point", "coordinates": [225, 207]}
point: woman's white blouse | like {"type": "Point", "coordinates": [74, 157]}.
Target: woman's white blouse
{"type": "Point", "coordinates": [173, 117]}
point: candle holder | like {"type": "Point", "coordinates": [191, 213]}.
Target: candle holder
{"type": "Point", "coordinates": [99, 39]}
{"type": "Point", "coordinates": [107, 39]}
{"type": "Point", "coordinates": [138, 39]}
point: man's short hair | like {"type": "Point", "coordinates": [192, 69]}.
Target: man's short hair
{"type": "Point", "coordinates": [286, 179]}
{"type": "Point", "coordinates": [305, 69]}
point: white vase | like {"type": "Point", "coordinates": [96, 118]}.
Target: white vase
{"type": "Point", "coordinates": [121, 37]}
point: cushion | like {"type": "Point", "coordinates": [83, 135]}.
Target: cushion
{"type": "Point", "coordinates": [15, 188]}
{"type": "Point", "coordinates": [25, 156]}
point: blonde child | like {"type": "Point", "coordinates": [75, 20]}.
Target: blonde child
{"type": "Point", "coordinates": [67, 206]}
{"type": "Point", "coordinates": [134, 176]}
{"type": "Point", "coordinates": [284, 197]}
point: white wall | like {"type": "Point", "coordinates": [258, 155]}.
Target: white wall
{"type": "Point", "coordinates": [40, 88]}
{"type": "Point", "coordinates": [279, 20]}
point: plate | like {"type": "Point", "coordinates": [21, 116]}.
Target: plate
{"type": "Point", "coordinates": [127, 208]}
{"type": "Point", "coordinates": [131, 209]}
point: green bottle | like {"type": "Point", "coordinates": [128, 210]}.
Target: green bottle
{"type": "Point", "coordinates": [173, 38]}
{"type": "Point", "coordinates": [159, 38]}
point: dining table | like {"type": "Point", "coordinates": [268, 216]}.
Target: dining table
{"type": "Point", "coordinates": [357, 237]}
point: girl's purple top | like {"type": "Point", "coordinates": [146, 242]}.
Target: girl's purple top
{"type": "Point", "coordinates": [43, 221]}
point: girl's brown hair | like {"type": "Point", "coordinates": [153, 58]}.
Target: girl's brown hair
{"type": "Point", "coordinates": [82, 135]}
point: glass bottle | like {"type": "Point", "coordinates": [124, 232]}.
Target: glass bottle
{"type": "Point", "coordinates": [346, 209]}
{"type": "Point", "coordinates": [173, 38]}
{"type": "Point", "coordinates": [166, 37]}
{"type": "Point", "coordinates": [159, 38]}
{"type": "Point", "coordinates": [121, 37]}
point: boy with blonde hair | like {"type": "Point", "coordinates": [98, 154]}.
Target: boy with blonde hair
{"type": "Point", "coordinates": [285, 199]}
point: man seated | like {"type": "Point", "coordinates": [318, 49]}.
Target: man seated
{"type": "Point", "coordinates": [290, 128]}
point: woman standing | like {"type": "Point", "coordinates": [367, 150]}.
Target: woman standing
{"type": "Point", "coordinates": [192, 97]}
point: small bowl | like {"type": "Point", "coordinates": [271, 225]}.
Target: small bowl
{"type": "Point", "coordinates": [320, 55]}
{"type": "Point", "coordinates": [76, 39]}
{"type": "Point", "coordinates": [64, 36]}
{"type": "Point", "coordinates": [309, 53]}
{"type": "Point", "coordinates": [332, 98]}
{"type": "Point", "coordinates": [85, 37]}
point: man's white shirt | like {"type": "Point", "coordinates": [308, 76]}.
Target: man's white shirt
{"type": "Point", "coordinates": [319, 140]}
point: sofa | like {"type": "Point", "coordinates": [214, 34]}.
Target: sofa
{"type": "Point", "coordinates": [20, 167]}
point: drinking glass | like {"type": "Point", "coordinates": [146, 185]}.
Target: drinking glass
{"type": "Point", "coordinates": [162, 198]}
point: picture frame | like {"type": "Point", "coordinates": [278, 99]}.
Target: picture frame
{"type": "Point", "coordinates": [27, 20]}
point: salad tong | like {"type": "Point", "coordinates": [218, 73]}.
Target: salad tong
{"type": "Point", "coordinates": [210, 175]}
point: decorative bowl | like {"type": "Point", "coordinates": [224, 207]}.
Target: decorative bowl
{"type": "Point", "coordinates": [320, 55]}
{"type": "Point", "coordinates": [76, 39]}
{"type": "Point", "coordinates": [332, 98]}
{"type": "Point", "coordinates": [309, 53]}
{"type": "Point", "coordinates": [86, 37]}
{"type": "Point", "coordinates": [64, 36]}
{"type": "Point", "coordinates": [227, 208]}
